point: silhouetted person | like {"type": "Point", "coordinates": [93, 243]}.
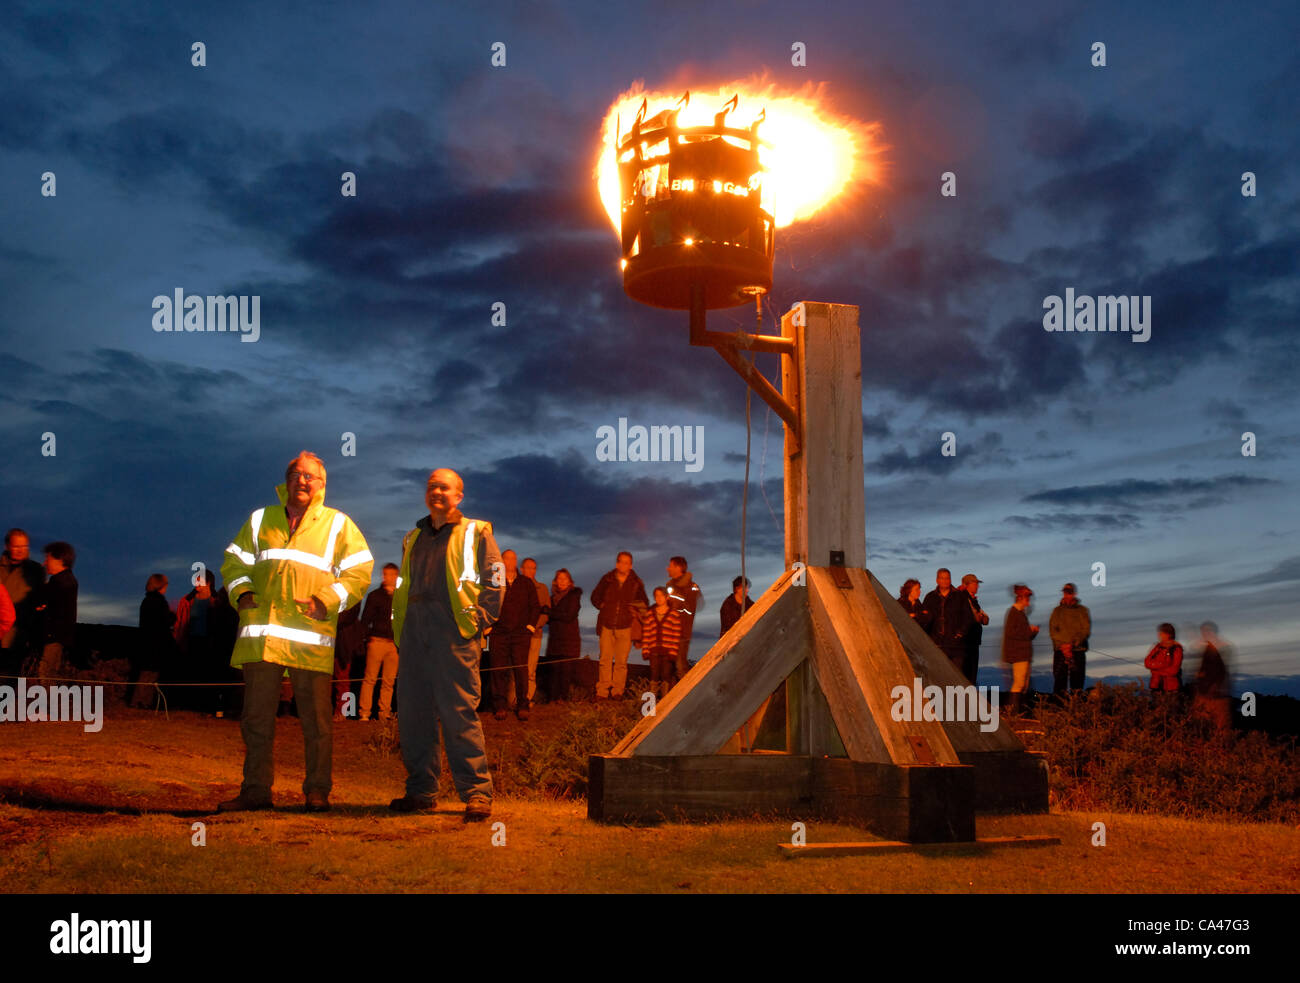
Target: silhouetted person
{"type": "Point", "coordinates": [381, 650]}
{"type": "Point", "coordinates": [58, 606]}
{"type": "Point", "coordinates": [736, 604]}
{"type": "Point", "coordinates": [1165, 660]}
{"type": "Point", "coordinates": [23, 578]}
{"type": "Point", "coordinates": [1211, 683]}
{"type": "Point", "coordinates": [564, 638]}
{"type": "Point", "coordinates": [529, 569]}
{"type": "Point", "coordinates": [1018, 645]}
{"type": "Point", "coordinates": [349, 652]}
{"type": "Point", "coordinates": [909, 596]}
{"type": "Point", "coordinates": [200, 621]}
{"type": "Point", "coordinates": [685, 596]}
{"type": "Point", "coordinates": [511, 635]}
{"type": "Point", "coordinates": [950, 617]}
{"type": "Point", "coordinates": [620, 598]}
{"type": "Point", "coordinates": [970, 585]}
{"type": "Point", "coordinates": [156, 645]}
{"type": "Point", "coordinates": [1070, 627]}
{"type": "Point", "coordinates": [7, 615]}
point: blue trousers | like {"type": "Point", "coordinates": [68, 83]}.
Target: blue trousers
{"type": "Point", "coordinates": [440, 686]}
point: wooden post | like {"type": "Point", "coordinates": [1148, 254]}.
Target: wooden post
{"type": "Point", "coordinates": [825, 507]}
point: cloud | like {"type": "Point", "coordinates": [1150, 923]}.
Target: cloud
{"type": "Point", "coordinates": [1067, 522]}
{"type": "Point", "coordinates": [1196, 492]}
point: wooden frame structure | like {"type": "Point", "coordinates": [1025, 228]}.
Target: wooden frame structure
{"type": "Point", "coordinates": [790, 712]}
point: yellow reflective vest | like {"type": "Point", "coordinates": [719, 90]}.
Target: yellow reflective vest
{"type": "Point", "coordinates": [326, 557]}
{"type": "Point", "coordinates": [465, 581]}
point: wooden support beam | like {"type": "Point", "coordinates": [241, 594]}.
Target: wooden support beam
{"type": "Point", "coordinates": [703, 711]}
{"type": "Point", "coordinates": [760, 384]}
{"type": "Point", "coordinates": [859, 660]}
{"type": "Point", "coordinates": [775, 344]}
{"type": "Point", "coordinates": [936, 668]}
{"type": "Point", "coordinates": [874, 847]}
{"type": "Point", "coordinates": [812, 728]}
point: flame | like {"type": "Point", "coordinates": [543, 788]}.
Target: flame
{"type": "Point", "coordinates": [814, 153]}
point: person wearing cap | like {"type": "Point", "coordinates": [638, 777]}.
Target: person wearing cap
{"type": "Point", "coordinates": [1018, 645]}
{"type": "Point", "coordinates": [950, 617]}
{"type": "Point", "coordinates": [970, 584]}
{"type": "Point", "coordinates": [1069, 627]}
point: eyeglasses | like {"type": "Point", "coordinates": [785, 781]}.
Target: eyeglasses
{"type": "Point", "coordinates": [304, 476]}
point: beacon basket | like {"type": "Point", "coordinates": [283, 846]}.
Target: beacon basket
{"type": "Point", "coordinates": [697, 230]}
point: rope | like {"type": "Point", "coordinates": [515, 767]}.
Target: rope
{"type": "Point", "coordinates": [41, 681]}
{"type": "Point", "coordinates": [744, 492]}
{"type": "Point", "coordinates": [767, 419]}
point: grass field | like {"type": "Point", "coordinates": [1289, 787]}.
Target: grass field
{"type": "Point", "coordinates": [114, 812]}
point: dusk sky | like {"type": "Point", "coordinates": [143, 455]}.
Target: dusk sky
{"type": "Point", "coordinates": [474, 186]}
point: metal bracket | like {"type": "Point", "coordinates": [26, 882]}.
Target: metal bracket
{"type": "Point", "coordinates": [838, 573]}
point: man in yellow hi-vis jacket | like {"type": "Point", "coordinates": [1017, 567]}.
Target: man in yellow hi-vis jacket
{"type": "Point", "coordinates": [289, 572]}
{"type": "Point", "coordinates": [449, 590]}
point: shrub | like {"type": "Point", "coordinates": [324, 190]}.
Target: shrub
{"type": "Point", "coordinates": [557, 764]}
{"type": "Point", "coordinates": [1113, 748]}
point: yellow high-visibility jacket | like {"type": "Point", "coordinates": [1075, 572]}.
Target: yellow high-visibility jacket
{"type": "Point", "coordinates": [475, 592]}
{"type": "Point", "coordinates": [326, 558]}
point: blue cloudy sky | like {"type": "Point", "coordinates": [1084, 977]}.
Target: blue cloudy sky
{"type": "Point", "coordinates": [474, 187]}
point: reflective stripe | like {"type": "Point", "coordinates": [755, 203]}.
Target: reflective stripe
{"type": "Point", "coordinates": [341, 591]}
{"type": "Point", "coordinates": [399, 582]}
{"type": "Point", "coordinates": [289, 634]}
{"type": "Point", "coordinates": [354, 559]}
{"type": "Point", "coordinates": [248, 558]}
{"type": "Point", "coordinates": [468, 566]}
{"type": "Point", "coordinates": [332, 540]}
{"type": "Point", "coordinates": [239, 580]}
{"type": "Point", "coordinates": [255, 520]}
{"type": "Point", "coordinates": [298, 556]}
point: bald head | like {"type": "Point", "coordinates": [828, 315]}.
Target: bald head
{"type": "Point", "coordinates": [442, 493]}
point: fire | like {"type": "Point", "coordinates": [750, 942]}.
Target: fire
{"type": "Point", "coordinates": [813, 155]}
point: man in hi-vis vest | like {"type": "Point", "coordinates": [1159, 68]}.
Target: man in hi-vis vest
{"type": "Point", "coordinates": [449, 589]}
{"type": "Point", "coordinates": [290, 571]}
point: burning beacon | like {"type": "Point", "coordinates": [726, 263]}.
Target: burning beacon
{"type": "Point", "coordinates": [693, 215]}
{"type": "Point", "coordinates": [697, 185]}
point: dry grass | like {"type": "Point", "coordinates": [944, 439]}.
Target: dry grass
{"type": "Point", "coordinates": [113, 812]}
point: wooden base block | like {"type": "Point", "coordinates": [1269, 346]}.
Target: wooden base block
{"type": "Point", "coordinates": [918, 803]}
{"type": "Point", "coordinates": [1009, 781]}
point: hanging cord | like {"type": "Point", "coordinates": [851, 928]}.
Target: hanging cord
{"type": "Point", "coordinates": [767, 419]}
{"type": "Point", "coordinates": [749, 394]}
